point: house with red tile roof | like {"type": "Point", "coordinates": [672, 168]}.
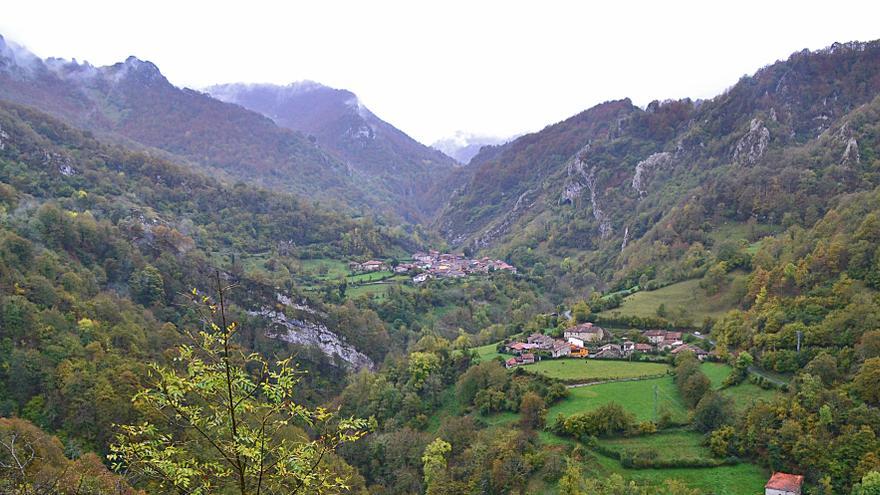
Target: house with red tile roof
{"type": "Point", "coordinates": [784, 484]}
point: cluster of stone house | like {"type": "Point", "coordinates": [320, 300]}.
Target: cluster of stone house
{"type": "Point", "coordinates": [435, 264]}
{"type": "Point", "coordinates": [589, 340]}
{"type": "Point", "coordinates": [368, 266]}
{"type": "Point", "coordinates": [524, 352]}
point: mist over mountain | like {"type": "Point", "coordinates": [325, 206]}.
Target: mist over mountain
{"type": "Point", "coordinates": [463, 146]}
{"type": "Point", "coordinates": [350, 157]}
{"type": "Point", "coordinates": [337, 121]}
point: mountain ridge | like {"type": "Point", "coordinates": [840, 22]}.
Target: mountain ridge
{"type": "Point", "coordinates": [338, 121]}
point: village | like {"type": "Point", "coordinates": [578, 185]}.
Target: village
{"type": "Point", "coordinates": [587, 340]}
{"type": "Point", "coordinates": [434, 264]}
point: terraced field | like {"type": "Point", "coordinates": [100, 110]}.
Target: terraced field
{"type": "Point", "coordinates": [585, 370]}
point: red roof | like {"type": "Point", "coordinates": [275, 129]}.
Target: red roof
{"type": "Point", "coordinates": [785, 482]}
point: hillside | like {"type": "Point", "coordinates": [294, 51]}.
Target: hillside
{"type": "Point", "coordinates": [338, 122]}
{"type": "Point", "coordinates": [622, 191]}
{"type": "Point", "coordinates": [132, 102]}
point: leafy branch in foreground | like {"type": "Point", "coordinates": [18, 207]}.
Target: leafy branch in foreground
{"type": "Point", "coordinates": [225, 421]}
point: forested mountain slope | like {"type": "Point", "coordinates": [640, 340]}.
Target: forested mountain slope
{"type": "Point", "coordinates": [98, 243]}
{"type": "Point", "coordinates": [618, 189]}
{"type": "Point", "coordinates": [133, 102]}
{"type": "Point", "coordinates": [339, 123]}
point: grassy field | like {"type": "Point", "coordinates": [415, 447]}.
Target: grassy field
{"type": "Point", "coordinates": [716, 372]}
{"type": "Point", "coordinates": [636, 397]}
{"type": "Point", "coordinates": [669, 445]}
{"type": "Point", "coordinates": [369, 277]}
{"type": "Point", "coordinates": [487, 352]}
{"type": "Point", "coordinates": [590, 369]}
{"type": "Point", "coordinates": [746, 393]}
{"type": "Point", "coordinates": [687, 297]}
{"type": "Point", "coordinates": [741, 479]}
{"type": "Point", "coordinates": [326, 268]}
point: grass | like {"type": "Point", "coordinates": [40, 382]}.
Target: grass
{"type": "Point", "coordinates": [747, 393]}
{"type": "Point", "coordinates": [375, 290]}
{"type": "Point", "coordinates": [369, 277]}
{"type": "Point", "coordinates": [500, 419]}
{"type": "Point", "coordinates": [743, 394]}
{"type": "Point", "coordinates": [488, 352]}
{"type": "Point", "coordinates": [584, 370]}
{"type": "Point", "coordinates": [686, 298]}
{"type": "Point", "coordinates": [741, 479]}
{"type": "Point", "coordinates": [636, 397]}
{"type": "Point", "coordinates": [669, 445]}
{"type": "Point", "coordinates": [332, 269]}
{"type": "Point", "coordinates": [451, 406]}
{"type": "Point", "coordinates": [716, 372]}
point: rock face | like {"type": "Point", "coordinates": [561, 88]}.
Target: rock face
{"type": "Point", "coordinates": [3, 137]}
{"type": "Point", "coordinates": [644, 167]}
{"type": "Point", "coordinates": [851, 153]}
{"type": "Point", "coordinates": [523, 202]}
{"type": "Point", "coordinates": [310, 334]}
{"type": "Point", "coordinates": [751, 147]}
{"type": "Point", "coordinates": [580, 175]}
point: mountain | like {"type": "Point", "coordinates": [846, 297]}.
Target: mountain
{"type": "Point", "coordinates": [133, 103]}
{"type": "Point", "coordinates": [622, 191]}
{"type": "Point", "coordinates": [463, 146]}
{"type": "Point", "coordinates": [337, 121]}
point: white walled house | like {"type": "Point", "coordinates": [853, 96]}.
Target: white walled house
{"type": "Point", "coordinates": [784, 484]}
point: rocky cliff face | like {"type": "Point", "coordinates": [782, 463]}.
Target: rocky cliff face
{"type": "Point", "coordinates": [581, 175]}
{"type": "Point", "coordinates": [310, 334]}
{"type": "Point", "coordinates": [751, 147]}
{"type": "Point", "coordinates": [647, 166]}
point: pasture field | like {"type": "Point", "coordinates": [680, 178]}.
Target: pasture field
{"type": "Point", "coordinates": [687, 297]}
{"type": "Point", "coordinates": [487, 352]}
{"type": "Point", "coordinates": [585, 370]}
{"type": "Point", "coordinates": [670, 444]}
{"type": "Point", "coordinates": [741, 479]}
{"type": "Point", "coordinates": [636, 397]}
{"type": "Point", "coordinates": [716, 372]}
{"type": "Point", "coordinates": [746, 393]}
{"type": "Point", "coordinates": [325, 268]}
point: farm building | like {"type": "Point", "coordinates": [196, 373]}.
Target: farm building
{"type": "Point", "coordinates": [784, 484]}
{"type": "Point", "coordinates": [560, 349]}
{"type": "Point", "coordinates": [586, 332]}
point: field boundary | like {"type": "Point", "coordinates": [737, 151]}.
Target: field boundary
{"type": "Point", "coordinates": [614, 380]}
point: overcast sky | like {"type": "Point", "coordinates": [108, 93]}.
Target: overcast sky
{"type": "Point", "coordinates": [434, 67]}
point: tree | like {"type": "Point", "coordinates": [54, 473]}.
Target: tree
{"type": "Point", "coordinates": [870, 485]}
{"type": "Point", "coordinates": [229, 421]}
{"type": "Point", "coordinates": [869, 345]}
{"type": "Point", "coordinates": [694, 388]}
{"type": "Point", "coordinates": [33, 463]}
{"type": "Point", "coordinates": [434, 463]}
{"type": "Point", "coordinates": [740, 369]}
{"type": "Point", "coordinates": [147, 286]}
{"type": "Point", "coordinates": [714, 410]}
{"type": "Point", "coordinates": [867, 381]}
{"type": "Point", "coordinates": [532, 410]}
{"type": "Point", "coordinates": [715, 278]}
{"type": "Point", "coordinates": [572, 480]}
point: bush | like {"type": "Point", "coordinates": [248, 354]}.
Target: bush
{"type": "Point", "coordinates": [606, 420]}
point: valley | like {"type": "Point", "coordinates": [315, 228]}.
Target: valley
{"type": "Point", "coordinates": [266, 288]}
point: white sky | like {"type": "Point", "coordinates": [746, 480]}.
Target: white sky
{"type": "Point", "coordinates": [434, 67]}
